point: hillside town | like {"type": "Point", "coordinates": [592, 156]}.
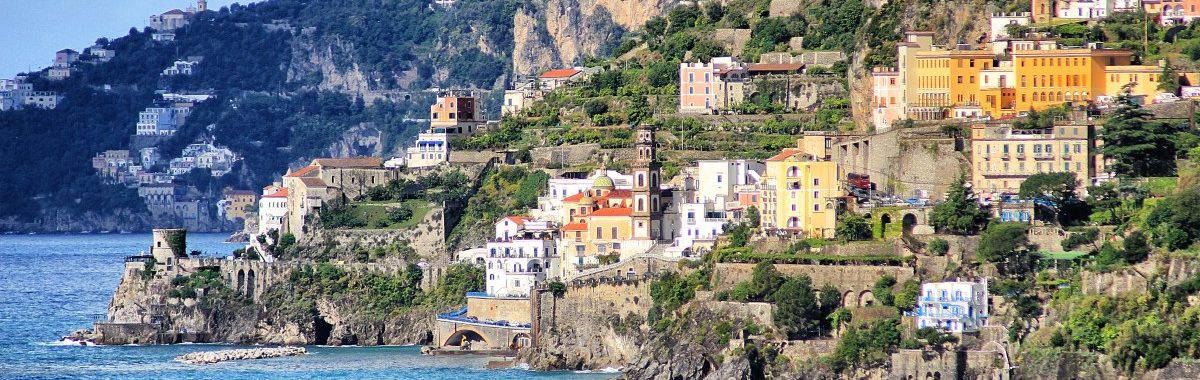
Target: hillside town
{"type": "Point", "coordinates": [997, 201]}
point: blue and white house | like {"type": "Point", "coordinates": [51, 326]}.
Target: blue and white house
{"type": "Point", "coordinates": [953, 306]}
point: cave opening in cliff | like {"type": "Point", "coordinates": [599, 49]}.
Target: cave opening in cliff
{"type": "Point", "coordinates": [321, 331]}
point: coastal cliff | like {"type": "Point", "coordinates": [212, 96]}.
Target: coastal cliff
{"type": "Point", "coordinates": [561, 33]}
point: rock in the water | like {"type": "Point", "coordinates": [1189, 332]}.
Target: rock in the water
{"type": "Point", "coordinates": [209, 357]}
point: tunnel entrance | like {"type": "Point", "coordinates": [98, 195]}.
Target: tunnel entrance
{"type": "Point", "coordinates": [321, 331]}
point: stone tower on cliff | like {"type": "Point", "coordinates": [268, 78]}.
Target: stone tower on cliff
{"type": "Point", "coordinates": [647, 196]}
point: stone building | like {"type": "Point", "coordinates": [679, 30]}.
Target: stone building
{"type": "Point", "coordinates": [1003, 156]}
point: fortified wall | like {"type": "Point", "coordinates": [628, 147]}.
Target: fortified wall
{"type": "Point", "coordinates": [904, 161]}
{"type": "Point", "coordinates": [854, 281]}
{"type": "Point", "coordinates": [579, 330]}
{"type": "Point", "coordinates": [1137, 278]}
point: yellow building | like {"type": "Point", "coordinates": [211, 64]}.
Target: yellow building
{"type": "Point", "coordinates": [799, 194]}
{"type": "Point", "coordinates": [948, 78]}
{"type": "Point", "coordinates": [965, 82]}
{"type": "Point", "coordinates": [1144, 79]}
{"type": "Point", "coordinates": [238, 204]}
{"type": "Point", "coordinates": [1002, 157]}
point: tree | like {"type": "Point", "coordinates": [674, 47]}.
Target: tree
{"type": "Point", "coordinates": [1175, 221]}
{"type": "Point", "coordinates": [831, 300]}
{"type": "Point", "coordinates": [910, 290]}
{"type": "Point", "coordinates": [883, 290]}
{"type": "Point", "coordinates": [1136, 248]}
{"type": "Point", "coordinates": [851, 227]}
{"type": "Point", "coordinates": [753, 216]}
{"type": "Point", "coordinates": [764, 281]}
{"type": "Point", "coordinates": [1137, 145]}
{"type": "Point", "coordinates": [1169, 80]}
{"type": "Point", "coordinates": [960, 213]}
{"type": "Point", "coordinates": [1007, 245]}
{"type": "Point", "coordinates": [797, 311]}
{"type": "Point", "coordinates": [1059, 190]}
{"type": "Point", "coordinates": [938, 247]}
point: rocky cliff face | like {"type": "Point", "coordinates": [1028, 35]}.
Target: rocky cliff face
{"type": "Point", "coordinates": [562, 32]}
{"type": "Point", "coordinates": [315, 63]}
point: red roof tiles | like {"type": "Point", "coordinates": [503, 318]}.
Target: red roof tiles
{"type": "Point", "coordinates": [612, 211]}
{"type": "Point", "coordinates": [560, 73]}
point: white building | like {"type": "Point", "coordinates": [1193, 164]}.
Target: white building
{"type": "Point", "coordinates": [180, 67]}
{"type": "Point", "coordinates": [163, 36]}
{"type": "Point", "coordinates": [1001, 21]}
{"type": "Point", "coordinates": [1084, 9]}
{"type": "Point", "coordinates": [272, 209]}
{"type": "Point", "coordinates": [161, 121]}
{"type": "Point", "coordinates": [514, 266]}
{"type": "Point", "coordinates": [430, 149]}
{"type": "Point", "coordinates": [100, 54]}
{"type": "Point", "coordinates": [557, 189]}
{"type": "Point", "coordinates": [716, 179]}
{"type": "Point", "coordinates": [217, 159]}
{"type": "Point", "coordinates": [956, 306]}
{"type": "Point", "coordinates": [169, 20]}
{"type": "Point", "coordinates": [58, 73]}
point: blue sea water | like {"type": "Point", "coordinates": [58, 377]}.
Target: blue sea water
{"type": "Point", "coordinates": [51, 285]}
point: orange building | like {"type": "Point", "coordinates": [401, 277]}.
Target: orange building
{"type": "Point", "coordinates": [455, 114]}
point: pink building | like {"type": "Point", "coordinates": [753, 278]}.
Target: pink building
{"type": "Point", "coordinates": [711, 87]}
{"type": "Point", "coordinates": [887, 99]}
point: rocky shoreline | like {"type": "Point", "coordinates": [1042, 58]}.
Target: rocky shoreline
{"type": "Point", "coordinates": [210, 357]}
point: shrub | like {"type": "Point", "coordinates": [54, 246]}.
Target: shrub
{"type": "Point", "coordinates": [938, 247]}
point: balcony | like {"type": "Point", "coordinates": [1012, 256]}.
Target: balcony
{"type": "Point", "coordinates": [1005, 156]}
{"type": "Point", "coordinates": [1066, 156]}
{"type": "Point", "coordinates": [1043, 156]}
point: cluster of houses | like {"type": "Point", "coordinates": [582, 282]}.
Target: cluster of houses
{"type": "Point", "coordinates": [528, 91]}
{"type": "Point", "coordinates": [165, 24]}
{"type": "Point", "coordinates": [154, 178]}
{"type": "Point", "coordinates": [1165, 12]}
{"type": "Point", "coordinates": [18, 93]}
{"type": "Point", "coordinates": [720, 85]}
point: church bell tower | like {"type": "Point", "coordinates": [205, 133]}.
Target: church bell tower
{"type": "Point", "coordinates": [647, 195]}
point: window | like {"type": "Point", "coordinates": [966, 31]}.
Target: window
{"type": "Point", "coordinates": [599, 232]}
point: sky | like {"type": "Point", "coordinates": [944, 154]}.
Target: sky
{"type": "Point", "coordinates": [32, 30]}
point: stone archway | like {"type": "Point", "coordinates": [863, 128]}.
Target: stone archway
{"type": "Point", "coordinates": [250, 277]}
{"type": "Point", "coordinates": [866, 298]}
{"type": "Point", "coordinates": [849, 300]}
{"type": "Point", "coordinates": [467, 336]}
{"type": "Point", "coordinates": [241, 281]}
{"type": "Point", "coordinates": [908, 222]}
{"type": "Point", "coordinates": [884, 221]}
{"type": "Point", "coordinates": [520, 341]}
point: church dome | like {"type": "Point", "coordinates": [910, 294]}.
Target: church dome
{"type": "Point", "coordinates": [603, 182]}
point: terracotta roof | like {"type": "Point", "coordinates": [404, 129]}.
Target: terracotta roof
{"type": "Point", "coordinates": [173, 12]}
{"type": "Point", "coordinates": [304, 171]}
{"type": "Point", "coordinates": [616, 194]}
{"type": "Point", "coordinates": [785, 154]}
{"type": "Point", "coordinates": [283, 193]}
{"type": "Point", "coordinates": [313, 182]}
{"type": "Point", "coordinates": [577, 226]}
{"type": "Point", "coordinates": [519, 220]}
{"type": "Point", "coordinates": [349, 162]}
{"type": "Point", "coordinates": [763, 67]}
{"type": "Point", "coordinates": [560, 73]}
{"type": "Point", "coordinates": [612, 211]}
{"type": "Point", "coordinates": [574, 198]}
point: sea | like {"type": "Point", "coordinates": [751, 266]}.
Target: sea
{"type": "Point", "coordinates": [52, 285]}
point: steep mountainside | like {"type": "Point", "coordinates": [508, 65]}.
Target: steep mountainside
{"type": "Point", "coordinates": [294, 79]}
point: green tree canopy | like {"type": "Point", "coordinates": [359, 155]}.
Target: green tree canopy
{"type": "Point", "coordinates": [1138, 145]}
{"type": "Point", "coordinates": [960, 213]}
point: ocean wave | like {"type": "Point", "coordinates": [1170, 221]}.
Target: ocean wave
{"type": "Point", "coordinates": [66, 342]}
{"type": "Point", "coordinates": [602, 370]}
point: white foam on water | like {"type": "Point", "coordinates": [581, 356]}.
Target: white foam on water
{"type": "Point", "coordinates": [66, 342]}
{"type": "Point", "coordinates": [602, 370]}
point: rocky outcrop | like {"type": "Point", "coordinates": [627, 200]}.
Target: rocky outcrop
{"type": "Point", "coordinates": [562, 32]}
{"type": "Point", "coordinates": [325, 64]}
{"type": "Point", "coordinates": [210, 357]}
